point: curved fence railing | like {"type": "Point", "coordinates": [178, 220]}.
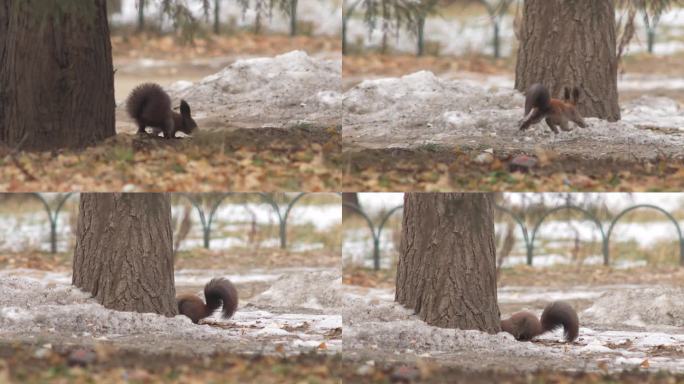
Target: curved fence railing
{"type": "Point", "coordinates": [53, 215]}
{"type": "Point", "coordinates": [282, 213]}
{"type": "Point", "coordinates": [376, 232]}
{"type": "Point", "coordinates": [529, 240]}
{"type": "Point", "coordinates": [206, 214]}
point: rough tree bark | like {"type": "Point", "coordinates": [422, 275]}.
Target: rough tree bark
{"type": "Point", "coordinates": [56, 74]}
{"type": "Point", "coordinates": [447, 260]}
{"type": "Point", "coordinates": [124, 251]}
{"type": "Point", "coordinates": [571, 43]}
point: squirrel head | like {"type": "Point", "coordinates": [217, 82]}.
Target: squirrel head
{"type": "Point", "coordinates": [188, 125]}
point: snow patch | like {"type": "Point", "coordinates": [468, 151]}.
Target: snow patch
{"type": "Point", "coordinates": [376, 328]}
{"type": "Point", "coordinates": [645, 307]}
{"type": "Point", "coordinates": [313, 290]}
{"type": "Point", "coordinates": [59, 312]}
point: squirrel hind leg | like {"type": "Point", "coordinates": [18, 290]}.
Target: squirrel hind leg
{"type": "Point", "coordinates": [552, 125]}
{"type": "Point", "coordinates": [533, 117]}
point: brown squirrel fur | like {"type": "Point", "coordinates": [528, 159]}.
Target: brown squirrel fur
{"type": "Point", "coordinates": [525, 325]}
{"type": "Point", "coordinates": [150, 106]}
{"type": "Point", "coordinates": [217, 292]}
{"type": "Point", "coordinates": [558, 113]}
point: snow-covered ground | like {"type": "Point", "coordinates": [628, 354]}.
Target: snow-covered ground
{"type": "Point", "coordinates": [474, 35]}
{"type": "Point", "coordinates": [324, 15]}
{"type": "Point", "coordinates": [31, 230]}
{"type": "Point", "coordinates": [420, 109]}
{"type": "Point", "coordinates": [620, 330]}
{"type": "Point", "coordinates": [183, 278]}
{"type": "Point", "coordinates": [43, 306]}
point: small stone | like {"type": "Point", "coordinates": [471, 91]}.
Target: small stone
{"type": "Point", "coordinates": [365, 370]}
{"type": "Point", "coordinates": [41, 353]}
{"type": "Point", "coordinates": [484, 158]}
{"type": "Point", "coordinates": [522, 163]}
{"type": "Point", "coordinates": [405, 374]}
{"type": "Point", "coordinates": [81, 357]}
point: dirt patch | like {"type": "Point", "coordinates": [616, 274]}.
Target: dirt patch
{"type": "Point", "coordinates": [32, 361]}
{"type": "Point", "coordinates": [427, 371]}
{"type": "Point", "coordinates": [447, 168]}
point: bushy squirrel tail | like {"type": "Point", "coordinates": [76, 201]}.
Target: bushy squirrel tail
{"type": "Point", "coordinates": [148, 101]}
{"type": "Point", "coordinates": [217, 292]}
{"type": "Point", "coordinates": [560, 313]}
{"type": "Point", "coordinates": [525, 326]}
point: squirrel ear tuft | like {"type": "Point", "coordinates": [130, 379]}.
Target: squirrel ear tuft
{"type": "Point", "coordinates": [184, 108]}
{"type": "Point", "coordinates": [575, 94]}
{"type": "Point", "coordinates": [566, 93]}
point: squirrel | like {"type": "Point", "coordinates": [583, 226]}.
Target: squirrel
{"type": "Point", "coordinates": [150, 106]}
{"type": "Point", "coordinates": [525, 326]}
{"type": "Point", "coordinates": [217, 291]}
{"type": "Point", "coordinates": [539, 105]}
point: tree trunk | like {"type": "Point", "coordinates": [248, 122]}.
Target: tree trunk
{"type": "Point", "coordinates": [447, 260]}
{"type": "Point", "coordinates": [497, 40]}
{"type": "Point", "coordinates": [344, 36]}
{"type": "Point", "coordinates": [293, 17]}
{"type": "Point", "coordinates": [113, 7]}
{"type": "Point", "coordinates": [350, 198]}
{"type": "Point", "coordinates": [257, 23]}
{"type": "Point", "coordinates": [141, 15]}
{"type": "Point", "coordinates": [217, 16]}
{"type": "Point", "coordinates": [421, 35]}
{"type": "Point", "coordinates": [571, 43]}
{"type": "Point", "coordinates": [651, 39]}
{"type": "Point", "coordinates": [56, 75]}
{"type": "Point", "coordinates": [124, 251]}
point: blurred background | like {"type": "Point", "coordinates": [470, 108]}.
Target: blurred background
{"type": "Point", "coordinates": [475, 40]}
{"type": "Point", "coordinates": [568, 228]}
{"type": "Point", "coordinates": [233, 232]}
{"type": "Point", "coordinates": [169, 40]}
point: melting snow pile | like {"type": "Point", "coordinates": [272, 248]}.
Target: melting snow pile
{"type": "Point", "coordinates": [658, 112]}
{"type": "Point", "coordinates": [420, 108]}
{"type": "Point", "coordinates": [286, 90]}
{"type": "Point", "coordinates": [313, 290]}
{"type": "Point", "coordinates": [644, 308]}
{"type": "Point", "coordinates": [32, 307]}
